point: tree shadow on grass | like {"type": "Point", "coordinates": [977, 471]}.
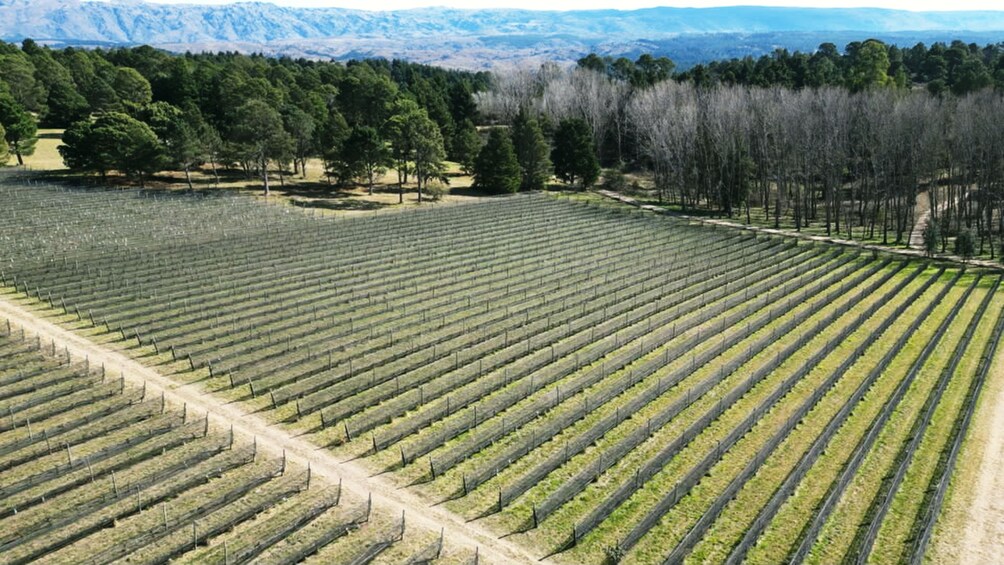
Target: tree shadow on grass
{"type": "Point", "coordinates": [348, 204]}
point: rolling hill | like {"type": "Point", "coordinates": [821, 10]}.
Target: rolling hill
{"type": "Point", "coordinates": [472, 38]}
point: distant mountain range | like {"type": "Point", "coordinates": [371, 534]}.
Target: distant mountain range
{"type": "Point", "coordinates": [477, 38]}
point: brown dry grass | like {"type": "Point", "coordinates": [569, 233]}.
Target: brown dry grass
{"type": "Point", "coordinates": [312, 190]}
{"type": "Point", "coordinates": [46, 157]}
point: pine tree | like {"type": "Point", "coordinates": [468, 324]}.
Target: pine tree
{"type": "Point", "coordinates": [4, 155]}
{"type": "Point", "coordinates": [496, 170]}
{"type": "Point", "coordinates": [531, 152]}
{"type": "Point", "coordinates": [20, 127]}
{"type": "Point", "coordinates": [574, 154]}
{"type": "Point", "coordinates": [965, 244]}
{"type": "Point", "coordinates": [466, 144]}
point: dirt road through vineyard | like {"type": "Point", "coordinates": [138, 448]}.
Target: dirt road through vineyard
{"type": "Point", "coordinates": [387, 497]}
{"type": "Point", "coordinates": [974, 533]}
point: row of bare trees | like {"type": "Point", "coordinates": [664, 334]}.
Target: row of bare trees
{"type": "Point", "coordinates": [852, 162]}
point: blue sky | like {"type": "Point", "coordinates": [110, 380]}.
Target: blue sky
{"type": "Point", "coordinates": [918, 5]}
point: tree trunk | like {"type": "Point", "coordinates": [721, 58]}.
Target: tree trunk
{"type": "Point", "coordinates": [188, 177]}
{"type": "Point", "coordinates": [264, 176]}
{"type": "Point", "coordinates": [216, 173]}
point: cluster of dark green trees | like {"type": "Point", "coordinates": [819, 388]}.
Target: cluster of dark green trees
{"type": "Point", "coordinates": [521, 158]}
{"type": "Point", "coordinates": [141, 110]}
{"type": "Point", "coordinates": [958, 67]}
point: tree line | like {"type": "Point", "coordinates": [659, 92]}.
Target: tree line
{"type": "Point", "coordinates": [958, 67]}
{"type": "Point", "coordinates": [141, 110]}
{"type": "Point", "coordinates": [850, 157]}
{"type": "Point", "coordinates": [843, 140]}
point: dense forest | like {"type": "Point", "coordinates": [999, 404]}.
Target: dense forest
{"type": "Point", "coordinates": [140, 110]}
{"type": "Point", "coordinates": [843, 140]}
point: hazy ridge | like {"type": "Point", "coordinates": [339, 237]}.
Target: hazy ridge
{"type": "Point", "coordinates": [470, 38]}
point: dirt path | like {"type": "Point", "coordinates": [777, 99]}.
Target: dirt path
{"type": "Point", "coordinates": [975, 513]}
{"type": "Point", "coordinates": [914, 253]}
{"type": "Point", "coordinates": [922, 215]}
{"type": "Point", "coordinates": [355, 479]}
{"type": "Point", "coordinates": [977, 516]}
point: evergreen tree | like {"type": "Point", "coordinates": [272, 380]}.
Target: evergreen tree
{"type": "Point", "coordinates": [365, 155]}
{"type": "Point", "coordinates": [574, 154]}
{"type": "Point", "coordinates": [300, 125]}
{"type": "Point", "coordinates": [131, 88]}
{"type": "Point", "coordinates": [869, 65]}
{"type": "Point", "coordinates": [178, 134]}
{"type": "Point", "coordinates": [63, 104]}
{"type": "Point", "coordinates": [931, 238]}
{"type": "Point", "coordinates": [260, 131]}
{"type": "Point", "coordinates": [496, 170]}
{"type": "Point", "coordinates": [416, 144]}
{"type": "Point", "coordinates": [114, 141]}
{"type": "Point", "coordinates": [429, 153]}
{"type": "Point", "coordinates": [466, 145]}
{"type": "Point", "coordinates": [965, 244]}
{"type": "Point", "coordinates": [331, 137]}
{"type": "Point", "coordinates": [4, 155]}
{"type": "Point", "coordinates": [18, 73]}
{"type": "Point", "coordinates": [400, 131]}
{"type": "Point", "coordinates": [462, 105]}
{"type": "Point", "coordinates": [19, 125]}
{"type": "Point", "coordinates": [531, 152]}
